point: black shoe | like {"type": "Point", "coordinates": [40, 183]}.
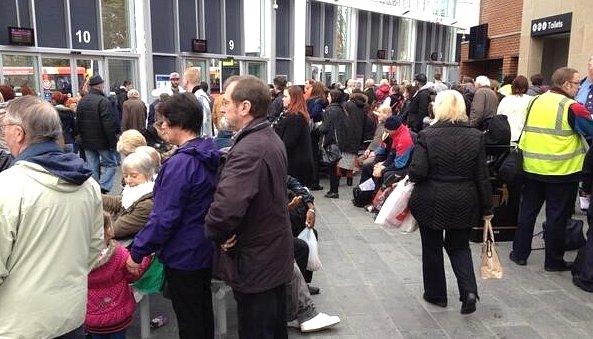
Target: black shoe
{"type": "Point", "coordinates": [520, 262]}
{"type": "Point", "coordinates": [579, 283]}
{"type": "Point", "coordinates": [566, 267]}
{"type": "Point", "coordinates": [313, 290]}
{"type": "Point", "coordinates": [332, 195]}
{"type": "Point", "coordinates": [316, 188]}
{"type": "Point", "coordinates": [435, 301]}
{"type": "Point", "coordinates": [349, 181]}
{"type": "Point", "coordinates": [469, 303]}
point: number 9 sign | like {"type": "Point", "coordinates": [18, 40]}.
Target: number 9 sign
{"type": "Point", "coordinates": [231, 45]}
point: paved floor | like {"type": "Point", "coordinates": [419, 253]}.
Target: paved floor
{"type": "Point", "coordinates": [372, 279]}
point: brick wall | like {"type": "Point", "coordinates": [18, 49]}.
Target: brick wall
{"type": "Point", "coordinates": [503, 17]}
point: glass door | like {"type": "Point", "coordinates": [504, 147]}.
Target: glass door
{"type": "Point", "coordinates": [19, 71]}
{"type": "Point", "coordinates": [84, 70]}
{"type": "Point", "coordinates": [55, 76]}
{"type": "Point", "coordinates": [257, 69]}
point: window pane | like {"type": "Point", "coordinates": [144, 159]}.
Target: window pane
{"type": "Point", "coordinates": [214, 75]}
{"type": "Point", "coordinates": [252, 23]}
{"type": "Point", "coordinates": [256, 69]}
{"type": "Point", "coordinates": [57, 72]}
{"type": "Point", "coordinates": [404, 45]}
{"type": "Point", "coordinates": [19, 70]}
{"type": "Point", "coordinates": [116, 30]}
{"type": "Point", "coordinates": [343, 34]}
{"type": "Point", "coordinates": [86, 69]}
{"type": "Point", "coordinates": [119, 71]}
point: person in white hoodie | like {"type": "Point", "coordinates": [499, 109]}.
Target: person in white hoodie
{"type": "Point", "coordinates": [514, 106]}
{"type": "Point", "coordinates": [191, 83]}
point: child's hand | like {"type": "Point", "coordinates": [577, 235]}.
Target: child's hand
{"type": "Point", "coordinates": [133, 267]}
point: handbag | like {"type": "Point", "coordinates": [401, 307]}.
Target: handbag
{"type": "Point", "coordinates": [573, 235]}
{"type": "Point", "coordinates": [491, 267]}
{"type": "Point", "coordinates": [511, 168]}
{"type": "Point", "coordinates": [331, 154]}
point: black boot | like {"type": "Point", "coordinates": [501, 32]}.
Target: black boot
{"type": "Point", "coordinates": [349, 181]}
{"type": "Point", "coordinates": [468, 304]}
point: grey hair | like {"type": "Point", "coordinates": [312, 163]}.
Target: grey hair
{"type": "Point", "coordinates": [38, 119]}
{"type": "Point", "coordinates": [482, 81]}
{"type": "Point", "coordinates": [141, 162]}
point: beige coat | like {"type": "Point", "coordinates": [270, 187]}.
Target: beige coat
{"type": "Point", "coordinates": [51, 233]}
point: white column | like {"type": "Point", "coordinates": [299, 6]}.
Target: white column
{"type": "Point", "coordinates": [269, 43]}
{"type": "Point", "coordinates": [144, 49]}
{"type": "Point", "coordinates": [299, 41]}
{"type": "Point", "coordinates": [353, 44]}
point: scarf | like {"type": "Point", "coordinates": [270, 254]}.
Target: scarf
{"type": "Point", "coordinates": [130, 195]}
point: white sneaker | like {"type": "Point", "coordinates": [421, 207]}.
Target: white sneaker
{"type": "Point", "coordinates": [293, 324]}
{"type": "Point", "coordinates": [319, 322]}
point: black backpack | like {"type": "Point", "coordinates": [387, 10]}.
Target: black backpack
{"type": "Point", "coordinates": [5, 160]}
{"type": "Point", "coordinates": [497, 130]}
{"type": "Point", "coordinates": [361, 198]}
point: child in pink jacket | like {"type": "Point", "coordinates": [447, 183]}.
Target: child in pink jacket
{"type": "Point", "coordinates": [111, 304]}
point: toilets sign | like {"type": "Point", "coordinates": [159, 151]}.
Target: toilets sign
{"type": "Point", "coordinates": [556, 24]}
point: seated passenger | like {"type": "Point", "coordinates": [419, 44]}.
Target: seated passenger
{"type": "Point", "coordinates": [132, 207]}
{"type": "Point", "coordinates": [301, 312]}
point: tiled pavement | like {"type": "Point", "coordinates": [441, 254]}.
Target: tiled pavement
{"type": "Point", "coordinates": [372, 279]}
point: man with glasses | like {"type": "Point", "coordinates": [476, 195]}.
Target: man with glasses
{"type": "Point", "coordinates": [553, 155]}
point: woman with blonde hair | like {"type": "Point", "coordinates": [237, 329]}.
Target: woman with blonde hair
{"type": "Point", "coordinates": [452, 194]}
{"type": "Point", "coordinates": [128, 142]}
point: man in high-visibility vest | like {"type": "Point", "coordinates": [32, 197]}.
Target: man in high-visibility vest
{"type": "Point", "coordinates": [553, 154]}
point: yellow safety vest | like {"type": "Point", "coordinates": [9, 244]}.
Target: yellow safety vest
{"type": "Point", "coordinates": [550, 146]}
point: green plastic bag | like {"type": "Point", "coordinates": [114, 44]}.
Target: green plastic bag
{"type": "Point", "coordinates": [152, 279]}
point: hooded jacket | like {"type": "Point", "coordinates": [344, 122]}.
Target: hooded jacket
{"type": "Point", "coordinates": [183, 192]}
{"type": "Point", "coordinates": [51, 233]}
{"type": "Point", "coordinates": [382, 92]}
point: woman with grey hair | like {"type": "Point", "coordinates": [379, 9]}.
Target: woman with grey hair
{"type": "Point", "coordinates": [132, 207]}
{"type": "Point", "coordinates": [134, 112]}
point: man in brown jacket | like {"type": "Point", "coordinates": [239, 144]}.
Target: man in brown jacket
{"type": "Point", "coordinates": [134, 112]}
{"type": "Point", "coordinates": [248, 219]}
{"type": "Point", "coordinates": [484, 104]}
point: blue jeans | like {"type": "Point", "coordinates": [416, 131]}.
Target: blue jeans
{"type": "Point", "coordinates": [106, 158]}
{"type": "Point", "coordinates": [117, 335]}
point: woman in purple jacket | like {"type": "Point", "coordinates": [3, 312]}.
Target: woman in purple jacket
{"type": "Point", "coordinates": [183, 192]}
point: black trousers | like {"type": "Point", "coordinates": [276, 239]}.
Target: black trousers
{"type": "Point", "coordinates": [262, 315]}
{"type": "Point", "coordinates": [191, 296]}
{"type": "Point", "coordinates": [560, 201]}
{"type": "Point", "coordinates": [301, 256]}
{"type": "Point", "coordinates": [334, 178]}
{"type": "Point", "coordinates": [316, 156]}
{"type": "Point", "coordinates": [456, 243]}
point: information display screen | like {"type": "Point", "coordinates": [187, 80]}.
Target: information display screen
{"type": "Point", "coordinates": [21, 36]}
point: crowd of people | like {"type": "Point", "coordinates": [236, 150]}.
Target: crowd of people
{"type": "Point", "coordinates": [202, 199]}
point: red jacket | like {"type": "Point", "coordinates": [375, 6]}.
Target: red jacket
{"type": "Point", "coordinates": [382, 92]}
{"type": "Point", "coordinates": [111, 304]}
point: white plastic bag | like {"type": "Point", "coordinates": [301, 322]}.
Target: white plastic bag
{"type": "Point", "coordinates": [395, 209]}
{"type": "Point", "coordinates": [409, 224]}
{"type": "Point", "coordinates": [314, 263]}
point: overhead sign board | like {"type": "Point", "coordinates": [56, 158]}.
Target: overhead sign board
{"type": "Point", "coordinates": [556, 24]}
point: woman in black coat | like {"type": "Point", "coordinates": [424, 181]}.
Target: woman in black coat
{"type": "Point", "coordinates": [334, 131]}
{"type": "Point", "coordinates": [293, 128]}
{"type": "Point", "coordinates": [451, 194]}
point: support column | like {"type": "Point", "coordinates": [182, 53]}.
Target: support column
{"type": "Point", "coordinates": [144, 49]}
{"type": "Point", "coordinates": [299, 41]}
